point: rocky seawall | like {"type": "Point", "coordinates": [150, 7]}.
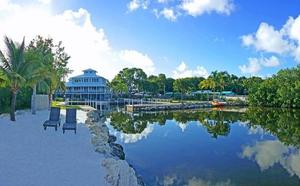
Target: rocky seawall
{"type": "Point", "coordinates": [119, 172]}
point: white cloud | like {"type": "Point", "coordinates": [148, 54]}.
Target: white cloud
{"type": "Point", "coordinates": [265, 153]}
{"type": "Point", "coordinates": [267, 39]}
{"type": "Point", "coordinates": [255, 64]}
{"type": "Point", "coordinates": [268, 153]}
{"type": "Point", "coordinates": [133, 138]}
{"type": "Point", "coordinates": [252, 68]}
{"type": "Point", "coordinates": [172, 9]}
{"type": "Point", "coordinates": [182, 126]}
{"type": "Point", "coordinates": [270, 62]}
{"type": "Point", "coordinates": [169, 14]}
{"type": "Point", "coordinates": [163, 1]}
{"type": "Point", "coordinates": [293, 26]}
{"type": "Point", "coordinates": [284, 41]}
{"type": "Point", "coordinates": [136, 4]}
{"type": "Point", "coordinates": [199, 7]}
{"type": "Point", "coordinates": [183, 71]}
{"type": "Point", "coordinates": [248, 40]}
{"type": "Point", "coordinates": [201, 182]}
{"type": "Point", "coordinates": [87, 45]}
{"type": "Point", "coordinates": [297, 53]}
{"type": "Point", "coordinates": [45, 1]}
{"type": "Point", "coordinates": [169, 180]}
{"type": "Point", "coordinates": [136, 59]}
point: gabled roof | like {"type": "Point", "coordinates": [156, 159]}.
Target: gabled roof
{"type": "Point", "coordinates": [88, 73]}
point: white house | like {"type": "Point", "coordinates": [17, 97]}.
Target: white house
{"type": "Point", "coordinates": [88, 86]}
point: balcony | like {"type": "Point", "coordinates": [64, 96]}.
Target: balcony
{"type": "Point", "coordinates": [86, 92]}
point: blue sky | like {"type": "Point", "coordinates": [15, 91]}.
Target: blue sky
{"type": "Point", "coordinates": [192, 35]}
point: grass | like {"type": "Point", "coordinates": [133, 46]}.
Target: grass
{"type": "Point", "coordinates": [62, 106]}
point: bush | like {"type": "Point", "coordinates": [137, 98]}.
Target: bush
{"type": "Point", "coordinates": [23, 99]}
{"type": "Point", "coordinates": [59, 99]}
{"type": "Point", "coordinates": [5, 98]}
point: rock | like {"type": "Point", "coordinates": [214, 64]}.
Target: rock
{"type": "Point", "coordinates": [94, 116]}
{"type": "Point", "coordinates": [112, 139]}
{"type": "Point", "coordinates": [117, 150]}
{"type": "Point", "coordinates": [119, 173]}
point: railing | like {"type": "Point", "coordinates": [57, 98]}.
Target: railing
{"type": "Point", "coordinates": [132, 101]}
{"type": "Point", "coordinates": [85, 91]}
{"type": "Point", "coordinates": [99, 105]}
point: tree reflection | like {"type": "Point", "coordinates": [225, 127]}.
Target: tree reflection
{"type": "Point", "coordinates": [283, 123]}
{"type": "Point", "coordinates": [216, 125]}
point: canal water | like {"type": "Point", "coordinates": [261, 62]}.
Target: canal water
{"type": "Point", "coordinates": [241, 147]}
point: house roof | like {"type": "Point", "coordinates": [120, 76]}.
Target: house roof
{"type": "Point", "coordinates": [89, 70]}
{"type": "Point", "coordinates": [88, 73]}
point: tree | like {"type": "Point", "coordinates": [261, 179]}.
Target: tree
{"type": "Point", "coordinates": [151, 87]}
{"type": "Point", "coordinates": [280, 90]}
{"type": "Point", "coordinates": [162, 83]}
{"type": "Point", "coordinates": [2, 79]}
{"type": "Point", "coordinates": [133, 78]}
{"type": "Point", "coordinates": [53, 61]}
{"type": "Point", "coordinates": [169, 84]}
{"type": "Point", "coordinates": [15, 70]}
{"type": "Point", "coordinates": [208, 83]}
{"type": "Point", "coordinates": [40, 56]}
{"type": "Point", "coordinates": [221, 79]}
{"type": "Point", "coordinates": [118, 86]}
{"type": "Point", "coordinates": [181, 86]}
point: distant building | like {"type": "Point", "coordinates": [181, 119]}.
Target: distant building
{"type": "Point", "coordinates": [228, 93]}
{"type": "Point", "coordinates": [202, 92]}
{"type": "Point", "coordinates": [88, 86]}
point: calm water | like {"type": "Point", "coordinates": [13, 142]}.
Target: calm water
{"type": "Point", "coordinates": [212, 147]}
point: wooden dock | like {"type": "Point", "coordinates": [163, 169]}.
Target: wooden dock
{"type": "Point", "coordinates": [166, 106]}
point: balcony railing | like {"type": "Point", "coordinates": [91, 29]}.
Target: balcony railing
{"type": "Point", "coordinates": [86, 91]}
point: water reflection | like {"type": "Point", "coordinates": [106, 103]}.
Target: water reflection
{"type": "Point", "coordinates": [212, 147]}
{"type": "Point", "coordinates": [268, 153]}
{"type": "Point", "coordinates": [283, 123]}
{"type": "Point", "coordinates": [175, 180]}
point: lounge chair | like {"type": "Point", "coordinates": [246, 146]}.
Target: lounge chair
{"type": "Point", "coordinates": [54, 118]}
{"type": "Point", "coordinates": [71, 121]}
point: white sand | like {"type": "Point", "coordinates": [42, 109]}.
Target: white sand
{"type": "Point", "coordinates": [34, 157]}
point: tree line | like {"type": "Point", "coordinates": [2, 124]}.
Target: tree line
{"type": "Point", "coordinates": [41, 67]}
{"type": "Point", "coordinates": [131, 80]}
{"type": "Point", "coordinates": [280, 90]}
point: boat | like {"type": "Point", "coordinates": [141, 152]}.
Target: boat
{"type": "Point", "coordinates": [218, 103]}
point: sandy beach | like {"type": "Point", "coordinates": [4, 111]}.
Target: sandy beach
{"type": "Point", "coordinates": [31, 156]}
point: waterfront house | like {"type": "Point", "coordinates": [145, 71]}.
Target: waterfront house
{"type": "Point", "coordinates": [88, 86]}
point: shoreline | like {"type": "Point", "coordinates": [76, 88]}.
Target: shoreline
{"type": "Point", "coordinates": [119, 171]}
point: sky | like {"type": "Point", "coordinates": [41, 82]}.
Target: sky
{"type": "Point", "coordinates": [181, 38]}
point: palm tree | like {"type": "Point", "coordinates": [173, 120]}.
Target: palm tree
{"type": "Point", "coordinates": [208, 83]}
{"type": "Point", "coordinates": [38, 75]}
{"type": "Point", "coordinates": [15, 69]}
{"type": "Point", "coordinates": [54, 82]}
{"type": "Point", "coordinates": [38, 72]}
{"type": "Point", "coordinates": [2, 79]}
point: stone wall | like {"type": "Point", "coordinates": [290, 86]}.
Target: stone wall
{"type": "Point", "coordinates": [119, 172]}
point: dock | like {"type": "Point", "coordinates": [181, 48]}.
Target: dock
{"type": "Point", "coordinates": [166, 106]}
